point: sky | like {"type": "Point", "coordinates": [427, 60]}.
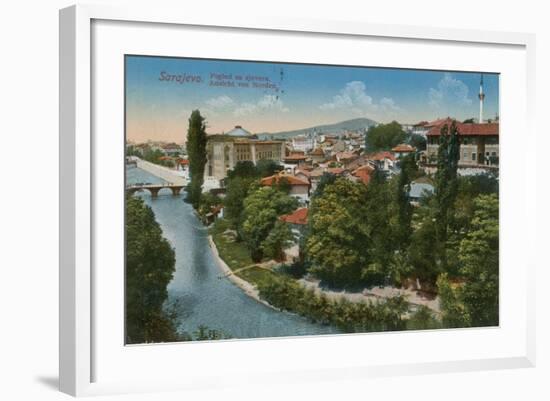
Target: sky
{"type": "Point", "coordinates": [161, 93]}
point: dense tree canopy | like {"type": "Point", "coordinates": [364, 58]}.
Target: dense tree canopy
{"type": "Point", "coordinates": [417, 141]}
{"type": "Point", "coordinates": [149, 268]}
{"type": "Point", "coordinates": [478, 256]}
{"type": "Point", "coordinates": [243, 169]}
{"type": "Point", "coordinates": [242, 180]}
{"type": "Point", "coordinates": [262, 208]}
{"type": "Point", "coordinates": [384, 136]}
{"type": "Point", "coordinates": [278, 239]}
{"type": "Point", "coordinates": [474, 301]}
{"type": "Point", "coordinates": [266, 167]}
{"type": "Point", "coordinates": [237, 189]}
{"type": "Point", "coordinates": [339, 238]}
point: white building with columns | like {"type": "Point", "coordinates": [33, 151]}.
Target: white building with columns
{"type": "Point", "coordinates": [226, 150]}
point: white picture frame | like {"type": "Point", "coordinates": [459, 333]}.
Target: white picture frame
{"type": "Point", "coordinates": [79, 214]}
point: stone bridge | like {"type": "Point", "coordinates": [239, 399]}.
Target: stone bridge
{"type": "Point", "coordinates": [155, 188]}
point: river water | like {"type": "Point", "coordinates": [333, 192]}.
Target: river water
{"type": "Point", "coordinates": [203, 298]}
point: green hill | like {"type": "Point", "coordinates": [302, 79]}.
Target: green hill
{"type": "Point", "coordinates": [351, 125]}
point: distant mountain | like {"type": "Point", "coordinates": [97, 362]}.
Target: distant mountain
{"type": "Point", "coordinates": [351, 125]}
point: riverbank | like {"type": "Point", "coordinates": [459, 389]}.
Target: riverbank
{"type": "Point", "coordinates": [378, 309]}
{"type": "Point", "coordinates": [247, 287]}
{"type": "Point", "coordinates": [161, 172]}
{"type": "Point", "coordinates": [249, 276]}
{"type": "Point", "coordinates": [377, 293]}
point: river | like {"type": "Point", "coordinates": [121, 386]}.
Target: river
{"type": "Point", "coordinates": [203, 298]}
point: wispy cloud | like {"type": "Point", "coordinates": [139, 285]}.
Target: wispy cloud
{"type": "Point", "coordinates": [220, 102]}
{"type": "Point", "coordinates": [449, 91]}
{"type": "Point", "coordinates": [354, 97]}
{"type": "Point", "coordinates": [388, 104]}
{"type": "Point", "coordinates": [266, 103]}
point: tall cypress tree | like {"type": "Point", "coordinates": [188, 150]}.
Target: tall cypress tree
{"type": "Point", "coordinates": [408, 168]}
{"type": "Point", "coordinates": [446, 187]}
{"type": "Point", "coordinates": [196, 149]}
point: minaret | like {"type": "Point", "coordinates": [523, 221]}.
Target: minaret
{"type": "Point", "coordinates": [481, 98]}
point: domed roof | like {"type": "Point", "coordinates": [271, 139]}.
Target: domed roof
{"type": "Point", "coordinates": [239, 131]}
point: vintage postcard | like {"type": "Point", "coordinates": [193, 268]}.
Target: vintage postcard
{"type": "Point", "coordinates": [268, 199]}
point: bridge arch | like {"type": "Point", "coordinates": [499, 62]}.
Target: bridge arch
{"type": "Point", "coordinates": [154, 190]}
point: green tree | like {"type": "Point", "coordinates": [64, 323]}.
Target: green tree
{"type": "Point", "coordinates": [243, 169]}
{"type": "Point", "coordinates": [422, 253]}
{"type": "Point", "coordinates": [452, 308]}
{"type": "Point", "coordinates": [384, 136]}
{"type": "Point", "coordinates": [207, 202]}
{"type": "Point", "coordinates": [338, 236]}
{"type": "Point", "coordinates": [283, 185]}
{"type": "Point", "coordinates": [381, 210]}
{"type": "Point", "coordinates": [196, 149]}
{"type": "Point", "coordinates": [469, 188]}
{"type": "Point", "coordinates": [325, 180]}
{"type": "Point", "coordinates": [404, 207]}
{"type": "Point", "coordinates": [278, 239]}
{"type": "Point", "coordinates": [150, 264]}
{"type": "Point", "coordinates": [446, 186]}
{"type": "Point", "coordinates": [267, 168]}
{"type": "Point", "coordinates": [418, 141]}
{"type": "Point", "coordinates": [475, 301]}
{"type": "Point", "coordinates": [237, 189]}
{"type": "Point", "coordinates": [478, 256]}
{"type": "Point", "coordinates": [423, 318]}
{"type": "Point", "coordinates": [262, 208]}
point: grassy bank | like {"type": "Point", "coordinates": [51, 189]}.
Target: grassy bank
{"type": "Point", "coordinates": [236, 255]}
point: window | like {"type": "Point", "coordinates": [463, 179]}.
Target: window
{"type": "Point", "coordinates": [473, 157]}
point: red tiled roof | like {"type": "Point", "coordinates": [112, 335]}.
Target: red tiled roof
{"type": "Point", "coordinates": [364, 176]}
{"type": "Point", "coordinates": [345, 155]}
{"type": "Point", "coordinates": [184, 162]}
{"type": "Point", "coordinates": [364, 173]}
{"type": "Point", "coordinates": [274, 179]}
{"type": "Point", "coordinates": [299, 216]}
{"type": "Point", "coordinates": [404, 148]}
{"type": "Point", "coordinates": [438, 122]}
{"type": "Point", "coordinates": [318, 152]}
{"type": "Point", "coordinates": [381, 156]}
{"type": "Point", "coordinates": [302, 171]}
{"type": "Point", "coordinates": [467, 129]}
{"type": "Point", "coordinates": [171, 146]}
{"type": "Point", "coordinates": [295, 157]}
{"type": "Point", "coordinates": [366, 167]}
{"type": "Point", "coordinates": [318, 172]}
{"type": "Point", "coordinates": [335, 170]}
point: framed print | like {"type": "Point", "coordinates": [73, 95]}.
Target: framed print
{"type": "Point", "coordinates": [341, 195]}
